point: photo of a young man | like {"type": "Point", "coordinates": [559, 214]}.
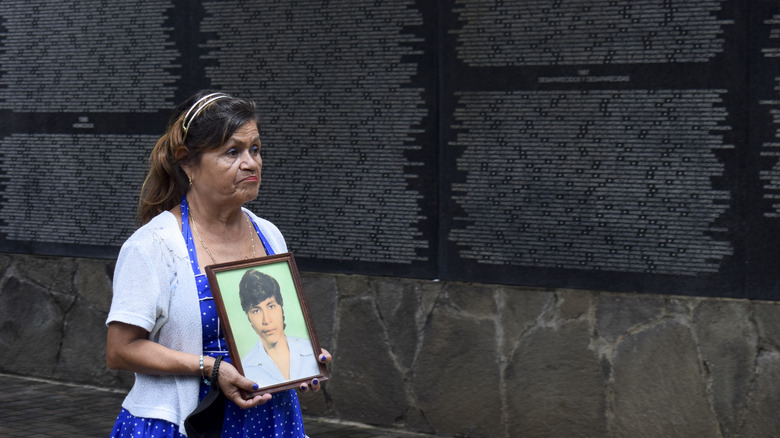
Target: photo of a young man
{"type": "Point", "coordinates": [276, 357]}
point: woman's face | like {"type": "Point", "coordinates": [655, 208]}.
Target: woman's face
{"type": "Point", "coordinates": [267, 318]}
{"type": "Point", "coordinates": [231, 171]}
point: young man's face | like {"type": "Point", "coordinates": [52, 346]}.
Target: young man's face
{"type": "Point", "coordinates": [267, 318]}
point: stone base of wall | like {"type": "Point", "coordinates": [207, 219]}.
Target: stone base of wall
{"type": "Point", "coordinates": [52, 319]}
{"type": "Point", "coordinates": [462, 359]}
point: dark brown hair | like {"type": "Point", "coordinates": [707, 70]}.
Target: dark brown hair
{"type": "Point", "coordinates": [166, 181]}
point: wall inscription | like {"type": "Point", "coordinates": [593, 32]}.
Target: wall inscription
{"type": "Point", "coordinates": [608, 145]}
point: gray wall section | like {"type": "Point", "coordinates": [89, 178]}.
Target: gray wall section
{"type": "Point", "coordinates": [462, 359]}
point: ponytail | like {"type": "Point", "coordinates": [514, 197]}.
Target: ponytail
{"type": "Point", "coordinates": [166, 182]}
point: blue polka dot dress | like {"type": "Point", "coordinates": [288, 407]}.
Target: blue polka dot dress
{"type": "Point", "coordinates": [279, 418]}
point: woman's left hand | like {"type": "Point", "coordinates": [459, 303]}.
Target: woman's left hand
{"type": "Point", "coordinates": [314, 385]}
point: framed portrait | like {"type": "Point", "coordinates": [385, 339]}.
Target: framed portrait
{"type": "Point", "coordinates": [266, 321]}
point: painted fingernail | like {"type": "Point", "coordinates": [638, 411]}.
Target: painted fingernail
{"type": "Point", "coordinates": [323, 358]}
{"type": "Point", "coordinates": [315, 382]}
{"type": "Point", "coordinates": [255, 386]}
{"type": "Point", "coordinates": [304, 388]}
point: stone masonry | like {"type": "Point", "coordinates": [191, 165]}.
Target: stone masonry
{"type": "Point", "coordinates": [462, 359]}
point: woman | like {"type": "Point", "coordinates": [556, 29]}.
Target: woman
{"type": "Point", "coordinates": [163, 325]}
{"type": "Point", "coordinates": [276, 357]}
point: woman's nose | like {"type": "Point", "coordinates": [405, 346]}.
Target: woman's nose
{"type": "Point", "coordinates": [248, 161]}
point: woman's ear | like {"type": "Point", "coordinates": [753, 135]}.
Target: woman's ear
{"type": "Point", "coordinates": [181, 153]}
{"type": "Point", "coordinates": [182, 157]}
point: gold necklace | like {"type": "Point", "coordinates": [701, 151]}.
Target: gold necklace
{"type": "Point", "coordinates": [195, 227]}
{"type": "Point", "coordinates": [251, 235]}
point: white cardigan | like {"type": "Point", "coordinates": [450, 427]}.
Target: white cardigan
{"type": "Point", "coordinates": [154, 288]}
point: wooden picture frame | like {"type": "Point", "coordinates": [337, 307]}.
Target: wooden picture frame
{"type": "Point", "coordinates": [253, 328]}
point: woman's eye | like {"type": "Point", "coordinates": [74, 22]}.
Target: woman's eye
{"type": "Point", "coordinates": [255, 150]}
{"type": "Point", "coordinates": [231, 152]}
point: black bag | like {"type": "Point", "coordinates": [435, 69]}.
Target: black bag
{"type": "Point", "coordinates": [207, 418]}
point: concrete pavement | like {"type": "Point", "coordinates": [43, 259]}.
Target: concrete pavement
{"type": "Point", "coordinates": [32, 407]}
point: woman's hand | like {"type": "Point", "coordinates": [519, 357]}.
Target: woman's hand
{"type": "Point", "coordinates": [127, 348]}
{"type": "Point", "coordinates": [237, 387]}
{"type": "Point", "coordinates": [314, 385]}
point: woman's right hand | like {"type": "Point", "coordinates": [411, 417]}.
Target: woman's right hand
{"type": "Point", "coordinates": [127, 348]}
{"type": "Point", "coordinates": [237, 387]}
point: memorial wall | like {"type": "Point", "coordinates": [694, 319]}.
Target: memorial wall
{"type": "Point", "coordinates": [606, 145]}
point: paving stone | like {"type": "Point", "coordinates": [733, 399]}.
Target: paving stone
{"type": "Point", "coordinates": [728, 342]}
{"type": "Point", "coordinates": [558, 390]}
{"type": "Point", "coordinates": [618, 313]}
{"type": "Point", "coordinates": [29, 312]}
{"type": "Point", "coordinates": [447, 398]}
{"type": "Point", "coordinates": [659, 386]}
{"type": "Point", "coordinates": [368, 391]}
{"type": "Point", "coordinates": [762, 420]}
{"type": "Point", "coordinates": [34, 408]}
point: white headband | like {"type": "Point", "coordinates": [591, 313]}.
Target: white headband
{"type": "Point", "coordinates": [201, 104]}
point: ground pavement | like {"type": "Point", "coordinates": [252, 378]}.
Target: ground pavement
{"type": "Point", "coordinates": [41, 408]}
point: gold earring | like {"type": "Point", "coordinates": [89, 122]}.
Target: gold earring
{"type": "Point", "coordinates": [190, 178]}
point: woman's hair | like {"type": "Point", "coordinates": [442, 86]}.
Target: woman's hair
{"type": "Point", "coordinates": [256, 287]}
{"type": "Point", "coordinates": [203, 122]}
